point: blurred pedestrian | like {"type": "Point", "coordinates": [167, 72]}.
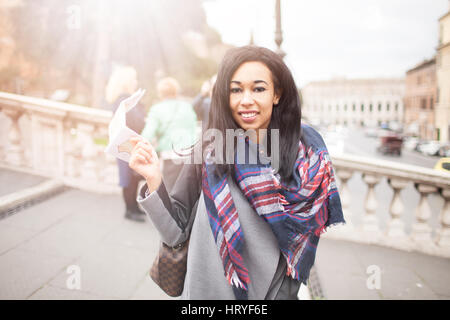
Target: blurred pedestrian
{"type": "Point", "coordinates": [121, 84]}
{"type": "Point", "coordinates": [171, 125]}
{"type": "Point", "coordinates": [202, 102]}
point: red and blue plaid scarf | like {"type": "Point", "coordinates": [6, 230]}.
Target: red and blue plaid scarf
{"type": "Point", "coordinates": [297, 213]}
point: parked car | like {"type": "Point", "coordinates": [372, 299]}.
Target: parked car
{"type": "Point", "coordinates": [444, 151]}
{"type": "Point", "coordinates": [371, 132]}
{"type": "Point", "coordinates": [419, 145]}
{"type": "Point", "coordinates": [395, 126]}
{"type": "Point", "coordinates": [410, 143]}
{"type": "Point", "coordinates": [430, 148]}
{"type": "Point", "coordinates": [443, 164]}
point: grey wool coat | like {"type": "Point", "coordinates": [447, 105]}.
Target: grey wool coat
{"type": "Point", "coordinates": [181, 214]}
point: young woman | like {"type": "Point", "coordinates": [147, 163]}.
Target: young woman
{"type": "Point", "coordinates": [253, 231]}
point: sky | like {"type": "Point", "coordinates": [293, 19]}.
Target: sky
{"type": "Point", "coordinates": [325, 39]}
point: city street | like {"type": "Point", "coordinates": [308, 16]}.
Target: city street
{"type": "Point", "coordinates": [356, 142]}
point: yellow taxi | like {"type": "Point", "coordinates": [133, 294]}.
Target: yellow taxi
{"type": "Point", "coordinates": [443, 165]}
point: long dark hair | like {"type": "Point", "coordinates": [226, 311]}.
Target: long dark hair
{"type": "Point", "coordinates": [286, 116]}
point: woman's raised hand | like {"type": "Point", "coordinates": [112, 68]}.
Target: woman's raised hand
{"type": "Point", "coordinates": [145, 161]}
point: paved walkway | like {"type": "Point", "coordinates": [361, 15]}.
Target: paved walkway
{"type": "Point", "coordinates": [348, 270]}
{"type": "Point", "coordinates": [76, 228]}
{"type": "Point", "coordinates": [11, 181]}
{"type": "Point", "coordinates": [38, 244]}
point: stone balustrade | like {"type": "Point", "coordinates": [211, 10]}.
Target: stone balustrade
{"type": "Point", "coordinates": [57, 140]}
{"type": "Point", "coordinates": [61, 140]}
{"type": "Point", "coordinates": [398, 176]}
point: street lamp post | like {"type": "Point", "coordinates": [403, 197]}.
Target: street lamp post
{"type": "Point", "coordinates": [278, 32]}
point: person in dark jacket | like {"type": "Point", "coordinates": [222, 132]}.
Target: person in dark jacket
{"type": "Point", "coordinates": [121, 84]}
{"type": "Point", "coordinates": [202, 102]}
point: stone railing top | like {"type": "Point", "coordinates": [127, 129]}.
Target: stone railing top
{"type": "Point", "coordinates": [55, 108]}
{"type": "Point", "coordinates": [392, 169]}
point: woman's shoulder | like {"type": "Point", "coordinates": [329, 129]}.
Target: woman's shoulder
{"type": "Point", "coordinates": [311, 137]}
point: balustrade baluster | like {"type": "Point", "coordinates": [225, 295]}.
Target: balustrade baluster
{"type": "Point", "coordinates": [443, 234]}
{"type": "Point", "coordinates": [346, 231]}
{"type": "Point", "coordinates": [72, 148]}
{"type": "Point", "coordinates": [111, 175]}
{"type": "Point", "coordinates": [344, 193]}
{"type": "Point", "coordinates": [370, 228]}
{"type": "Point", "coordinates": [108, 172]}
{"type": "Point", "coordinates": [88, 150]}
{"type": "Point", "coordinates": [421, 230]}
{"type": "Point", "coordinates": [15, 154]}
{"type": "Point", "coordinates": [396, 236]}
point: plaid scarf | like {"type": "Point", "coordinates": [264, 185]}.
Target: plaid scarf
{"type": "Point", "coordinates": [297, 213]}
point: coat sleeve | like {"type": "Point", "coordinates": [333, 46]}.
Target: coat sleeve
{"type": "Point", "coordinates": [173, 213]}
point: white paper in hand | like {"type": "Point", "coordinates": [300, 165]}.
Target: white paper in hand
{"type": "Point", "coordinates": [119, 134]}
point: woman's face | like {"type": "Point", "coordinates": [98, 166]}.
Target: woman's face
{"type": "Point", "coordinates": [252, 95]}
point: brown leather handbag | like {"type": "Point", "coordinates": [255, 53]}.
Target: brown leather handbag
{"type": "Point", "coordinates": [169, 268]}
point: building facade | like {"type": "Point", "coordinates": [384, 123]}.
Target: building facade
{"type": "Point", "coordinates": [442, 121]}
{"type": "Point", "coordinates": [354, 102]}
{"type": "Point", "coordinates": [420, 99]}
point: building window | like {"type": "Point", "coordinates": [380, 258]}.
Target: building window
{"type": "Point", "coordinates": [370, 108]}
{"type": "Point", "coordinates": [354, 107]}
{"type": "Point", "coordinates": [337, 108]}
{"type": "Point", "coordinates": [379, 107]}
{"type": "Point", "coordinates": [387, 107]}
{"type": "Point", "coordinates": [362, 107]}
{"type": "Point", "coordinates": [396, 106]}
{"type": "Point", "coordinates": [423, 103]}
{"type": "Point", "coordinates": [345, 107]}
{"type": "Point", "coordinates": [431, 103]}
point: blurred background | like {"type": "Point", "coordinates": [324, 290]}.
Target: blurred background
{"type": "Point", "coordinates": [74, 45]}
{"type": "Point", "coordinates": [374, 77]}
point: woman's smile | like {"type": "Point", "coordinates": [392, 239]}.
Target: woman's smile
{"type": "Point", "coordinates": [248, 116]}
